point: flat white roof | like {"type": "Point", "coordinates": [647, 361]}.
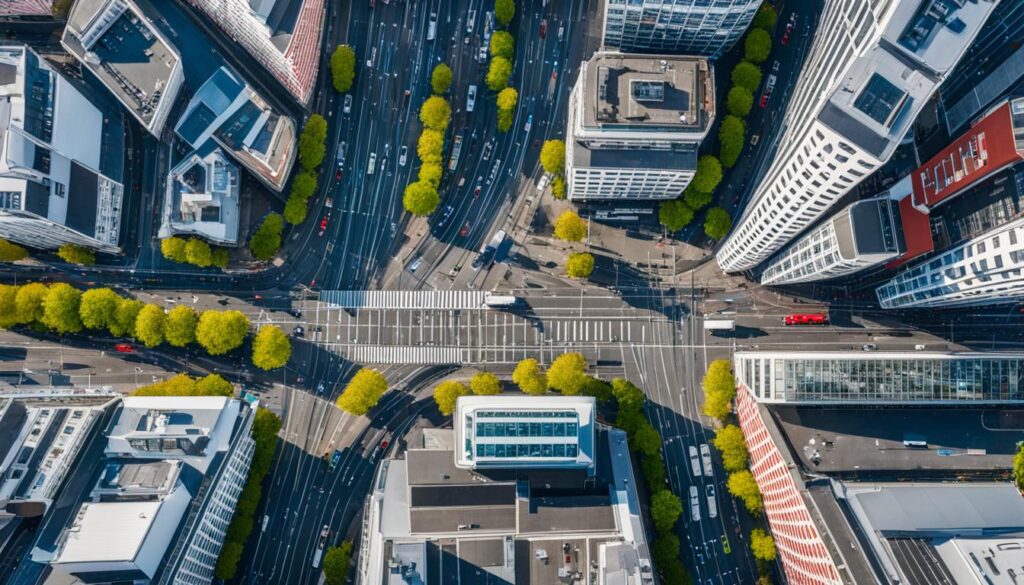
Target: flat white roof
{"type": "Point", "coordinates": [109, 531]}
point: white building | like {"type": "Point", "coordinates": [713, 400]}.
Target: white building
{"type": "Point", "coordinates": [118, 44]}
{"type": "Point", "coordinates": [202, 198]}
{"type": "Point", "coordinates": [282, 35]}
{"type": "Point", "coordinates": [881, 377]}
{"type": "Point", "coordinates": [690, 27]}
{"type": "Point", "coordinates": [524, 431]}
{"type": "Point", "coordinates": [163, 495]}
{"type": "Point", "coordinates": [635, 123]}
{"type": "Point", "coordinates": [873, 65]}
{"type": "Point", "coordinates": [53, 145]}
{"type": "Point", "coordinates": [865, 233]}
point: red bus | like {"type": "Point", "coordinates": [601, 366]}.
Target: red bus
{"type": "Point", "coordinates": [805, 319]}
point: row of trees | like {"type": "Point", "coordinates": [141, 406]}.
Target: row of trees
{"type": "Point", "coordinates": [70, 253]}
{"type": "Point", "coordinates": [503, 53]}
{"type": "Point", "coordinates": [191, 251]}
{"type": "Point", "coordinates": [570, 227]}
{"type": "Point", "coordinates": [312, 148]}
{"type": "Point", "coordinates": [185, 385]}
{"type": "Point", "coordinates": [552, 160]}
{"type": "Point", "coordinates": [422, 198]}
{"type": "Point", "coordinates": [676, 214]}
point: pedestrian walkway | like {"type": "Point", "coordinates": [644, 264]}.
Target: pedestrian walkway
{"type": "Point", "coordinates": [399, 354]}
{"type": "Point", "coordinates": [404, 299]}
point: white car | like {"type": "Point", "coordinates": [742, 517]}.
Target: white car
{"type": "Point", "coordinates": [348, 104]}
{"type": "Point", "coordinates": [543, 182]}
{"type": "Point", "coordinates": [694, 504]}
{"type": "Point", "coordinates": [402, 155]}
{"type": "Point", "coordinates": [482, 55]}
{"type": "Point", "coordinates": [470, 21]}
{"type": "Point", "coordinates": [705, 457]}
{"type": "Point", "coordinates": [432, 26]}
{"type": "Point", "coordinates": [712, 502]}
{"type": "Point", "coordinates": [694, 461]}
{"type": "Point", "coordinates": [471, 98]}
{"type": "Point", "coordinates": [373, 164]}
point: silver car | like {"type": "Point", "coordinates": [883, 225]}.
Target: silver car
{"type": "Point", "coordinates": [712, 502]}
{"type": "Point", "coordinates": [705, 457]}
{"type": "Point", "coordinates": [694, 461]}
{"type": "Point", "coordinates": [694, 504]}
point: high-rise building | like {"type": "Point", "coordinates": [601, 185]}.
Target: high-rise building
{"type": "Point", "coordinates": [116, 42]}
{"type": "Point", "coordinates": [873, 65]}
{"type": "Point", "coordinates": [57, 150]}
{"type": "Point", "coordinates": [692, 27]}
{"type": "Point", "coordinates": [635, 123]}
{"type": "Point", "coordinates": [282, 35]}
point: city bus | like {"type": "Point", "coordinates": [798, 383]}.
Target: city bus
{"type": "Point", "coordinates": [805, 319]}
{"type": "Point", "coordinates": [320, 546]}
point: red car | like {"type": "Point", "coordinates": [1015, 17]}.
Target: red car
{"type": "Point", "coordinates": [785, 35]}
{"type": "Point", "coordinates": [337, 175]}
{"type": "Point", "coordinates": [543, 28]}
{"type": "Point", "coordinates": [465, 230]}
{"type": "Point", "coordinates": [124, 348]}
{"type": "Point", "coordinates": [384, 444]}
{"type": "Point", "coordinates": [476, 192]}
{"type": "Point", "coordinates": [323, 225]}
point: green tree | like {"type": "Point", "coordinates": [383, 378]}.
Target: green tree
{"type": "Point", "coordinates": [173, 248]}
{"type": "Point", "coordinates": [447, 393]}
{"type": "Point", "coordinates": [29, 302]}
{"type": "Point", "coordinates": [124, 321]}
{"type": "Point", "coordinates": [598, 389]}
{"type": "Point", "coordinates": [530, 377]}
{"type": "Point", "coordinates": [214, 385]}
{"type": "Point", "coordinates": [420, 198]}
{"type": "Point", "coordinates": [504, 11]}
{"type": "Point", "coordinates": [695, 199]}
{"type": "Point", "coordinates": [198, 252]}
{"type": "Point", "coordinates": [295, 209]}
{"type": "Point", "coordinates": [1018, 468]}
{"type": "Point", "coordinates": [266, 240]}
{"type": "Point", "coordinates": [719, 389]}
{"type": "Point", "coordinates": [485, 384]}
{"type": "Point", "coordinates": [552, 157]}
{"type": "Point", "coordinates": [431, 173]}
{"type": "Point", "coordinates": [8, 306]}
{"type": "Point", "coordinates": [503, 45]}
{"type": "Point", "coordinates": [665, 548]}
{"type": "Point", "coordinates": [149, 325]}
{"type": "Point", "coordinates": [441, 79]}
{"type": "Point", "coordinates": [435, 113]}
{"type": "Point", "coordinates": [739, 101]}
{"type": "Point", "coordinates": [363, 392]}
{"type": "Point", "coordinates": [498, 74]}
{"type": "Point", "coordinates": [654, 472]}
{"type": "Point", "coordinates": [628, 396]}
{"type": "Point", "coordinates": [271, 348]}
{"type": "Point", "coordinates": [742, 486]}
{"type": "Point", "coordinates": [674, 573]}
{"type": "Point", "coordinates": [343, 68]}
{"type": "Point", "coordinates": [646, 439]}
{"type": "Point", "coordinates": [717, 223]}
{"type": "Point", "coordinates": [219, 332]}
{"type": "Point", "coordinates": [665, 510]}
{"type": "Point", "coordinates": [765, 18]}
{"type": "Point", "coordinates": [313, 142]}
{"type": "Point", "coordinates": [675, 215]}
{"type": "Point", "coordinates": [747, 75]}
{"type": "Point", "coordinates": [558, 188]}
{"type": "Point", "coordinates": [731, 136]}
{"type": "Point", "coordinates": [507, 99]}
{"type": "Point", "coordinates": [304, 185]}
{"type": "Point", "coordinates": [567, 374]}
{"type": "Point", "coordinates": [75, 254]}
{"type": "Point", "coordinates": [180, 327]}
{"type": "Point", "coordinates": [570, 227]}
{"type": "Point", "coordinates": [708, 175]}
{"type": "Point", "coordinates": [579, 265]}
{"type": "Point", "coordinates": [221, 257]}
{"type": "Point", "coordinates": [179, 385]}
{"type": "Point", "coordinates": [729, 442]}
{"type": "Point", "coordinates": [430, 146]}
{"type": "Point", "coordinates": [757, 46]}
{"type": "Point", "coordinates": [336, 563]}
{"type": "Point", "coordinates": [10, 252]}
{"type": "Point", "coordinates": [98, 308]}
{"type": "Point", "coordinates": [762, 545]}
{"type": "Point", "coordinates": [60, 308]}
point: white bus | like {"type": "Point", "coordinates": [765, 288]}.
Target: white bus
{"type": "Point", "coordinates": [320, 546]}
{"type": "Point", "coordinates": [719, 325]}
{"type": "Point", "coordinates": [432, 26]}
{"type": "Point", "coordinates": [492, 300]}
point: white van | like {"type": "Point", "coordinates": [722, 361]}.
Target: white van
{"type": "Point", "coordinates": [432, 26]}
{"type": "Point", "coordinates": [471, 98]}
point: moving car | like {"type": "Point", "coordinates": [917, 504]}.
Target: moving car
{"type": "Point", "coordinates": [694, 504]}
{"type": "Point", "coordinates": [543, 28]}
{"type": "Point", "coordinates": [321, 545]}
{"type": "Point", "coordinates": [373, 163]}
{"type": "Point", "coordinates": [124, 348]}
{"type": "Point", "coordinates": [471, 98]}
{"type": "Point", "coordinates": [769, 86]}
{"type": "Point", "coordinates": [347, 108]}
{"type": "Point", "coordinates": [323, 225]}
{"type": "Point", "coordinates": [465, 230]}
{"type": "Point", "coordinates": [470, 20]}
{"type": "Point", "coordinates": [712, 502]}
{"type": "Point", "coordinates": [402, 156]}
{"type": "Point", "coordinates": [481, 56]}
{"type": "Point", "coordinates": [694, 461]}
{"type": "Point", "coordinates": [432, 26]}
{"type": "Point", "coordinates": [705, 457]}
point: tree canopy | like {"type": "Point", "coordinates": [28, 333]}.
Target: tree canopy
{"type": "Point", "coordinates": [579, 265]}
{"type": "Point", "coordinates": [503, 45]}
{"type": "Point", "coordinates": [430, 146]}
{"type": "Point", "coordinates": [441, 78]}
{"type": "Point", "coordinates": [729, 442]}
{"type": "Point", "coordinates": [741, 485]}
{"type": "Point", "coordinates": [431, 173]}
{"type": "Point", "coordinates": [507, 99]}
{"type": "Point", "coordinates": [708, 175]}
{"type": "Point", "coordinates": [757, 46]}
{"type": "Point", "coordinates": [180, 327]}
{"type": "Point", "coordinates": [567, 374]}
{"type": "Point", "coordinates": [695, 199]}
{"type": "Point", "coordinates": [198, 252]}
{"type": "Point", "coordinates": [304, 185]}
{"type": "Point", "coordinates": [675, 215]}
{"type": "Point", "coordinates": [570, 227]}
{"type": "Point", "coordinates": [731, 136]}
{"type": "Point", "coordinates": [149, 325]}
{"type": "Point", "coordinates": [363, 392]}
{"type": "Point", "coordinates": [173, 248]}
{"type": "Point", "coordinates": [295, 209]}
{"type": "Point", "coordinates": [98, 308]}
{"type": "Point", "coordinates": [420, 198]}
{"type": "Point", "coordinates": [435, 113]}
{"type": "Point", "coordinates": [74, 254]}
{"type": "Point", "coordinates": [1018, 468]}
{"type": "Point", "coordinates": [653, 469]}
{"type": "Point", "coordinates": [558, 188]}
{"type": "Point", "coordinates": [765, 17]}
{"type": "Point", "coordinates": [60, 308]}
{"type": "Point", "coordinates": [530, 377]}
{"type": "Point", "coordinates": [762, 545]}
{"type": "Point", "coordinates": [498, 74]}
{"type": "Point", "coordinates": [8, 308]}
{"type": "Point", "coordinates": [219, 332]}
{"type": "Point", "coordinates": [266, 240]}
{"type": "Point", "coordinates": [504, 11]}
{"type": "Point", "coordinates": [739, 101]}
{"type": "Point", "coordinates": [485, 384]}
{"type": "Point", "coordinates": [447, 393]}
{"type": "Point", "coordinates": [29, 302]}
{"type": "Point", "coordinates": [11, 252]}
{"type": "Point", "coordinates": [646, 439]}
{"type": "Point", "coordinates": [552, 157]}
{"type": "Point", "coordinates": [124, 320]}
{"type": "Point", "coordinates": [746, 74]}
{"type": "Point", "coordinates": [665, 510]}
{"type": "Point", "coordinates": [717, 223]}
{"type": "Point", "coordinates": [719, 389]}
{"type": "Point", "coordinates": [343, 68]}
{"type": "Point", "coordinates": [271, 348]}
{"type": "Point", "coordinates": [313, 142]}
{"type": "Point", "coordinates": [336, 563]}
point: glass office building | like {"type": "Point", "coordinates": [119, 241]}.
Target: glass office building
{"type": "Point", "coordinates": [692, 27]}
{"type": "Point", "coordinates": [524, 431]}
{"type": "Point", "coordinates": [881, 377]}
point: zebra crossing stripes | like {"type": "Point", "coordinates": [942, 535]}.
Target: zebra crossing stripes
{"type": "Point", "coordinates": [404, 354]}
{"type": "Point", "coordinates": [404, 299]}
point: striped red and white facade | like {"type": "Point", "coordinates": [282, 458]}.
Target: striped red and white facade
{"type": "Point", "coordinates": [26, 8]}
{"type": "Point", "coordinates": [801, 549]}
{"type": "Point", "coordinates": [297, 66]}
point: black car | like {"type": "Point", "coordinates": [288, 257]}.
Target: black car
{"type": "Point", "coordinates": [485, 257]}
{"type": "Point", "coordinates": [298, 331]}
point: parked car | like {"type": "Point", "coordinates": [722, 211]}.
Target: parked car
{"type": "Point", "coordinates": [124, 348]}
{"type": "Point", "coordinates": [403, 155]}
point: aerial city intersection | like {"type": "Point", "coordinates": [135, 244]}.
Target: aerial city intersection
{"type": "Point", "coordinates": [539, 292]}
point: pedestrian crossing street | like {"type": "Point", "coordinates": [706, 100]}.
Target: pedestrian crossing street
{"type": "Point", "coordinates": [404, 299]}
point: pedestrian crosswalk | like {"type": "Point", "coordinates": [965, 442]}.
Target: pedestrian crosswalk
{"type": "Point", "coordinates": [398, 354]}
{"type": "Point", "coordinates": [404, 299]}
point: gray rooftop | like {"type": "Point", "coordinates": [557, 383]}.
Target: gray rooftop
{"type": "Point", "coordinates": [939, 509]}
{"type": "Point", "coordinates": [681, 158]}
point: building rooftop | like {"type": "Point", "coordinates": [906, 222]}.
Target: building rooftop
{"type": "Point", "coordinates": [933, 31]}
{"type": "Point", "coordinates": [203, 197]}
{"type": "Point", "coordinates": [638, 92]}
